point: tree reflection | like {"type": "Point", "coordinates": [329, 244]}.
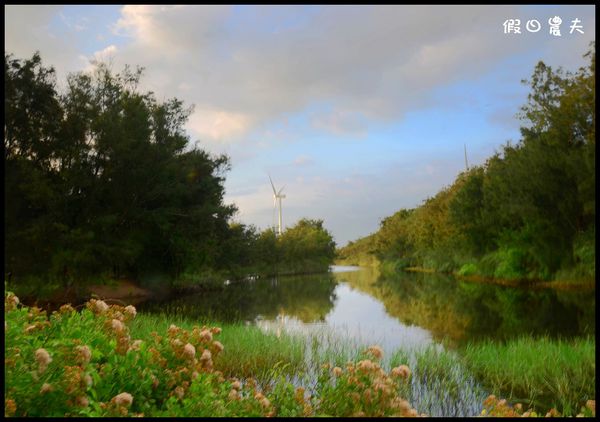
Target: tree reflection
{"type": "Point", "coordinates": [457, 311]}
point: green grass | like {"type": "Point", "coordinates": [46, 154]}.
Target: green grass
{"type": "Point", "coordinates": [249, 351]}
{"type": "Point", "coordinates": [540, 372]}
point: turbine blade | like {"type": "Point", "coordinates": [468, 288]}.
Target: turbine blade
{"type": "Point", "coordinates": [272, 185]}
{"type": "Point", "coordinates": [279, 193]}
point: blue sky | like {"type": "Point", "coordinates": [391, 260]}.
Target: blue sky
{"type": "Point", "coordinates": [358, 110]}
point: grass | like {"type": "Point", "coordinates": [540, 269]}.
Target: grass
{"type": "Point", "coordinates": [107, 361]}
{"type": "Point", "coordinates": [249, 351]}
{"type": "Point", "coordinates": [541, 372]}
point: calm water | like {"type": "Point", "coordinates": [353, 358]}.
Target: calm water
{"type": "Point", "coordinates": [407, 311]}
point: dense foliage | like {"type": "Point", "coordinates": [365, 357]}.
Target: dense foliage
{"type": "Point", "coordinates": [528, 212]}
{"type": "Point", "coordinates": [100, 180]}
{"type": "Point", "coordinates": [87, 364]}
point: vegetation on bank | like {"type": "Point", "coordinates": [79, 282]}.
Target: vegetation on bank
{"type": "Point", "coordinates": [538, 372]}
{"type": "Point", "coordinates": [111, 361]}
{"type": "Point", "coordinates": [527, 213]}
{"type": "Point", "coordinates": [89, 363]}
{"type": "Point", "coordinates": [101, 181]}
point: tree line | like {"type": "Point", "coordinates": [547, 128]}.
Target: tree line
{"type": "Point", "coordinates": [101, 180]}
{"type": "Point", "coordinates": [527, 212]}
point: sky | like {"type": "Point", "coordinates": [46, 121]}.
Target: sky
{"type": "Point", "coordinates": [356, 111]}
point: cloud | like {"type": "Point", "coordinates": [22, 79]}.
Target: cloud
{"type": "Point", "coordinates": [303, 160]}
{"type": "Point", "coordinates": [247, 67]}
{"type": "Point", "coordinates": [218, 125]}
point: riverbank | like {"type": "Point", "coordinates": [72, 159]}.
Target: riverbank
{"type": "Point", "coordinates": [530, 283]}
{"type": "Point", "coordinates": [135, 364]}
{"type": "Point", "coordinates": [390, 266]}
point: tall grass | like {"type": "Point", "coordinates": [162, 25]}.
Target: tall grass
{"type": "Point", "coordinates": [249, 351]}
{"type": "Point", "coordinates": [541, 372]}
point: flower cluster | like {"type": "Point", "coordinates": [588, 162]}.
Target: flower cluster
{"type": "Point", "coordinates": [365, 389]}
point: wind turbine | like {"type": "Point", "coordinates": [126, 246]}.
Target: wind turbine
{"type": "Point", "coordinates": [276, 196]}
{"type": "Point", "coordinates": [466, 162]}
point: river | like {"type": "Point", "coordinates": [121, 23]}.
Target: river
{"type": "Point", "coordinates": [407, 311]}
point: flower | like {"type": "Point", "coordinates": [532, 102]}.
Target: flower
{"type": "Point", "coordinates": [46, 388]}
{"type": "Point", "coordinates": [29, 329]}
{"type": "Point", "coordinates": [206, 355]}
{"type": "Point", "coordinates": [87, 378]}
{"type": "Point", "coordinates": [337, 371]}
{"type": "Point", "coordinates": [43, 358]}
{"type": "Point", "coordinates": [136, 345]}
{"type": "Point", "coordinates": [206, 336]}
{"type": "Point", "coordinates": [215, 330]}
{"type": "Point", "coordinates": [591, 404]}
{"type": "Point", "coordinates": [10, 407]}
{"type": "Point", "coordinates": [123, 399]}
{"type": "Point", "coordinates": [218, 346]}
{"type": "Point", "coordinates": [130, 310]}
{"type": "Point", "coordinates": [82, 401]}
{"type": "Point", "coordinates": [189, 351]}
{"type": "Point", "coordinates": [117, 325]}
{"type": "Point", "coordinates": [84, 354]}
{"type": "Point", "coordinates": [401, 371]}
{"type": "Point", "coordinates": [365, 365]}
{"type": "Point", "coordinates": [11, 301]}
{"type": "Point", "coordinates": [233, 395]}
{"type": "Point", "coordinates": [173, 329]}
{"type": "Point", "coordinates": [64, 309]}
{"type": "Point", "coordinates": [179, 392]}
{"type": "Point", "coordinates": [100, 306]}
{"type": "Point", "coordinates": [376, 351]}
{"type": "Point", "coordinates": [236, 385]}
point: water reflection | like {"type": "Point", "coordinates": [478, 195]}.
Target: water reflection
{"type": "Point", "coordinates": [456, 312]}
{"type": "Point", "coordinates": [307, 298]}
{"type": "Point", "coordinates": [404, 310]}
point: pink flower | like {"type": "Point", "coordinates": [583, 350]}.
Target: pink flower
{"type": "Point", "coordinates": [43, 358]}
{"type": "Point", "coordinates": [123, 399]}
{"type": "Point", "coordinates": [365, 365]}
{"type": "Point", "coordinates": [130, 310]}
{"type": "Point", "coordinates": [82, 401]}
{"type": "Point", "coordinates": [376, 351]}
{"type": "Point", "coordinates": [117, 325]}
{"type": "Point", "coordinates": [84, 353]}
{"type": "Point", "coordinates": [337, 371]}
{"type": "Point", "coordinates": [189, 351]}
{"type": "Point", "coordinates": [218, 346]}
{"type": "Point", "coordinates": [206, 336]}
{"type": "Point", "coordinates": [100, 306]}
{"type": "Point", "coordinates": [401, 371]}
{"type": "Point", "coordinates": [206, 355]}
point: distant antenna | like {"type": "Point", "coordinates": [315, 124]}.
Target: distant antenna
{"type": "Point", "coordinates": [466, 162]}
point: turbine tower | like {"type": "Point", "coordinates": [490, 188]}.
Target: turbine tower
{"type": "Point", "coordinates": [276, 196]}
{"type": "Point", "coordinates": [466, 162]}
